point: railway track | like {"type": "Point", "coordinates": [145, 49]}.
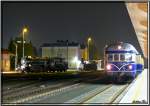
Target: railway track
{"type": "Point", "coordinates": [9, 87]}
{"type": "Point", "coordinates": [41, 92]}
{"type": "Point", "coordinates": [76, 91]}
{"type": "Point", "coordinates": [106, 94]}
{"type": "Point", "coordinates": [34, 89]}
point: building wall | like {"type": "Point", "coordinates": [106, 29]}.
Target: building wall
{"type": "Point", "coordinates": [73, 54]}
{"type": "Point", "coordinates": [84, 53]}
{"type": "Point", "coordinates": [5, 62]}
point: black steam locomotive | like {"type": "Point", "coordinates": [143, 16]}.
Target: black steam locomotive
{"type": "Point", "coordinates": [44, 65]}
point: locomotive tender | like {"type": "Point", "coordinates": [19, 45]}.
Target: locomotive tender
{"type": "Point", "coordinates": [122, 59]}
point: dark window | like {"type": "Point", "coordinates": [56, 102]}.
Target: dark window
{"type": "Point", "coordinates": [116, 57]}
{"type": "Point", "coordinates": [122, 57]}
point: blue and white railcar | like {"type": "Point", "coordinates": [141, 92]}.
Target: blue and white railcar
{"type": "Point", "coordinates": [122, 59]}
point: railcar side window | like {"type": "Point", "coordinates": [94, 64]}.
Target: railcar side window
{"type": "Point", "coordinates": [116, 57]}
{"type": "Point", "coordinates": [110, 57]}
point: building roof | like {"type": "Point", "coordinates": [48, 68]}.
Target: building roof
{"type": "Point", "coordinates": [4, 51]}
{"type": "Point", "coordinates": [60, 44]}
{"type": "Point", "coordinates": [123, 47]}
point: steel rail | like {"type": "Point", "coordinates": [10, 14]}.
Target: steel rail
{"type": "Point", "coordinates": [51, 92]}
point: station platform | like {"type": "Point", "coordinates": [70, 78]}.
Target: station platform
{"type": "Point", "coordinates": [138, 91]}
{"type": "Point", "coordinates": [10, 72]}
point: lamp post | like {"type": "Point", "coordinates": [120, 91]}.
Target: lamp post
{"type": "Point", "coordinates": [89, 39]}
{"type": "Point", "coordinates": [104, 57]}
{"type": "Point", "coordinates": [16, 57]}
{"type": "Point", "coordinates": [67, 51]}
{"type": "Point", "coordinates": [24, 31]}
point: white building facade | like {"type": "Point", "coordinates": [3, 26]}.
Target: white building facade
{"type": "Point", "coordinates": [71, 52]}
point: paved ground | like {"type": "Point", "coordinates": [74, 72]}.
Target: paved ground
{"type": "Point", "coordinates": [138, 93]}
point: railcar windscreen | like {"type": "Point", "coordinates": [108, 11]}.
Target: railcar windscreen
{"type": "Point", "coordinates": [110, 57]}
{"type": "Point", "coordinates": [116, 57]}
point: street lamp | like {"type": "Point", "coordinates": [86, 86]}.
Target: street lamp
{"type": "Point", "coordinates": [89, 40]}
{"type": "Point", "coordinates": [16, 56]}
{"type": "Point", "coordinates": [24, 31]}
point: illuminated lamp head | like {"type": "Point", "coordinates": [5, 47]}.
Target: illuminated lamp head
{"type": "Point", "coordinates": [108, 67]}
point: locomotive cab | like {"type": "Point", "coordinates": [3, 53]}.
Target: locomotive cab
{"type": "Point", "coordinates": [121, 60]}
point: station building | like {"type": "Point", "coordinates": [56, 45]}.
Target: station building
{"type": "Point", "coordinates": [72, 52]}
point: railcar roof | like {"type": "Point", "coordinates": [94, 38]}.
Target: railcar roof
{"type": "Point", "coordinates": [124, 47]}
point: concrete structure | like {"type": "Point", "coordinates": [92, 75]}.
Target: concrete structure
{"type": "Point", "coordinates": [70, 51]}
{"type": "Point", "coordinates": [137, 93]}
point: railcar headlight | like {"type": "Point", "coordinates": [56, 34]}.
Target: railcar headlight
{"type": "Point", "coordinates": [108, 67]}
{"type": "Point", "coordinates": [119, 47]}
{"type": "Point", "coordinates": [130, 67]}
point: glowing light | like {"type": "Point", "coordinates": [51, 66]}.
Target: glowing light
{"type": "Point", "coordinates": [86, 62]}
{"type": "Point", "coordinates": [89, 39]}
{"type": "Point", "coordinates": [78, 64]}
{"type": "Point", "coordinates": [29, 57]}
{"type": "Point", "coordinates": [130, 67]}
{"type": "Point", "coordinates": [119, 47]}
{"type": "Point", "coordinates": [23, 61]}
{"type": "Point", "coordinates": [108, 67]}
{"type": "Point", "coordinates": [22, 67]}
{"type": "Point", "coordinates": [25, 30]}
{"type": "Point", "coordinates": [16, 68]}
{"type": "Point", "coordinates": [18, 41]}
{"type": "Point", "coordinates": [76, 61]}
{"type": "Point", "coordinates": [10, 72]}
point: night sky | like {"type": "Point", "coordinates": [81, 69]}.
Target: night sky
{"type": "Point", "coordinates": [48, 22]}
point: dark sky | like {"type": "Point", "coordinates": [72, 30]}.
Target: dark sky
{"type": "Point", "coordinates": [48, 22]}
